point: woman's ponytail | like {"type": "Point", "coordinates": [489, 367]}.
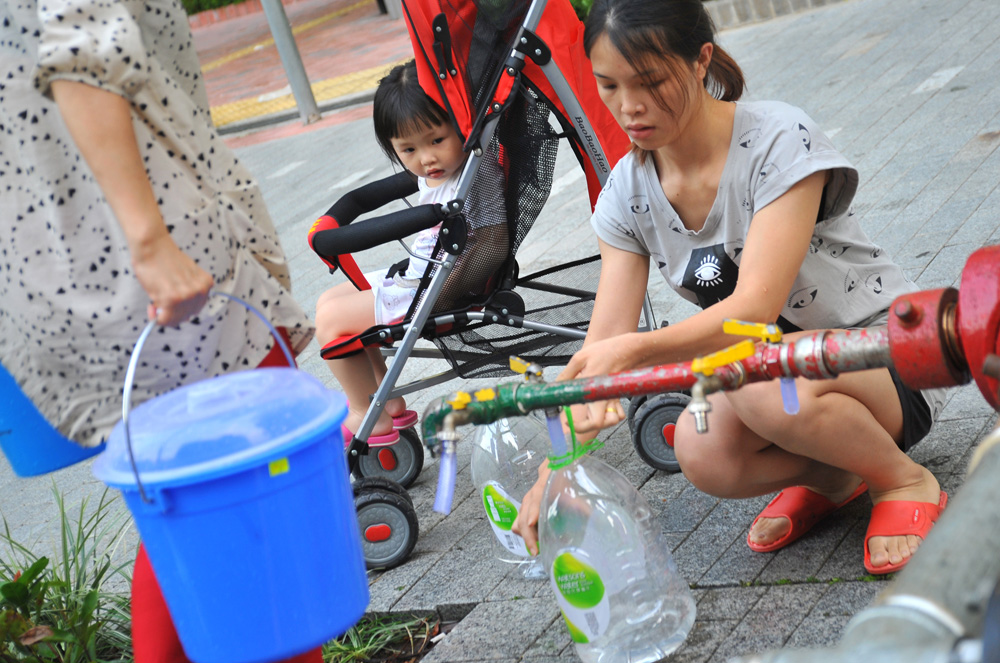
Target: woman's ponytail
{"type": "Point", "coordinates": [725, 78]}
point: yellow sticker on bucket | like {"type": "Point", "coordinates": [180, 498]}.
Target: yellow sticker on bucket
{"type": "Point", "coordinates": [277, 467]}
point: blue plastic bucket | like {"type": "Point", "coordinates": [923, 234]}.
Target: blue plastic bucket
{"type": "Point", "coordinates": [31, 444]}
{"type": "Point", "coordinates": [246, 512]}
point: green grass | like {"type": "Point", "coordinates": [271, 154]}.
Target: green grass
{"type": "Point", "coordinates": [61, 608]}
{"type": "Point", "coordinates": [73, 605]}
{"type": "Point", "coordinates": [385, 637]}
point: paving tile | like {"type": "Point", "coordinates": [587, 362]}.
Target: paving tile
{"type": "Point", "coordinates": [495, 631]}
{"type": "Point", "coordinates": [825, 623]}
{"type": "Point", "coordinates": [776, 616]}
{"type": "Point", "coordinates": [728, 603]}
{"type": "Point", "coordinates": [704, 639]}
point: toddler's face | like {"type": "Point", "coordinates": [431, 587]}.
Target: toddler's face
{"type": "Point", "coordinates": [434, 153]}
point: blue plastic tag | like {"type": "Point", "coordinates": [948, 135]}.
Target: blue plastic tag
{"type": "Point", "coordinates": [789, 396]}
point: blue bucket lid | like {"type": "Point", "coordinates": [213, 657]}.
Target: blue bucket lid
{"type": "Point", "coordinates": [220, 426]}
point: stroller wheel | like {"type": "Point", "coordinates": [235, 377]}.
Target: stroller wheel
{"type": "Point", "coordinates": [388, 525]}
{"type": "Point", "coordinates": [400, 462]}
{"type": "Point", "coordinates": [653, 430]}
{"type": "Point", "coordinates": [633, 406]}
{"type": "Point", "coordinates": [369, 484]}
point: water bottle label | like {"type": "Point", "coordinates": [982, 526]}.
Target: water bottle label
{"type": "Point", "coordinates": [581, 594]}
{"type": "Point", "coordinates": [501, 511]}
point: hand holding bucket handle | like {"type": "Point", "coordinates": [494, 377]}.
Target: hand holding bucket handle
{"type": "Point", "coordinates": [134, 360]}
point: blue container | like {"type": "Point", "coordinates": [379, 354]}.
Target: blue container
{"type": "Point", "coordinates": [29, 442]}
{"type": "Point", "coordinates": [251, 529]}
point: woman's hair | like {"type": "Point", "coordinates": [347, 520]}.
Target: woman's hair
{"type": "Point", "coordinates": [401, 107]}
{"type": "Point", "coordinates": [654, 34]}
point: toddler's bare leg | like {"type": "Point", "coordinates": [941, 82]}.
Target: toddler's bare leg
{"type": "Point", "coordinates": [343, 311]}
{"type": "Point", "coordinates": [395, 406]}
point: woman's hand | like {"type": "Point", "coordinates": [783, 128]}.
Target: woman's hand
{"type": "Point", "coordinates": [526, 523]}
{"type": "Point", "coordinates": [611, 355]}
{"type": "Point", "coordinates": [176, 285]}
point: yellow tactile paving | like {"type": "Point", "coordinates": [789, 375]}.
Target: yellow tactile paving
{"type": "Point", "coordinates": [236, 55]}
{"type": "Point", "coordinates": [330, 88]}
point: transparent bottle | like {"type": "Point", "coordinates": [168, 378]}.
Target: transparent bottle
{"type": "Point", "coordinates": [504, 465]}
{"type": "Point", "coordinates": [610, 567]}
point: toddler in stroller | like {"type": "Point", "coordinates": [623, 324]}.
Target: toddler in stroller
{"type": "Point", "coordinates": [415, 132]}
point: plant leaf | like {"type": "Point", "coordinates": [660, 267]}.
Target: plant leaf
{"type": "Point", "coordinates": [16, 593]}
{"type": "Point", "coordinates": [34, 570]}
{"type": "Point", "coordinates": [35, 635]}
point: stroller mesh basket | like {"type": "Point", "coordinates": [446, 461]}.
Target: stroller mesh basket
{"type": "Point", "coordinates": [481, 349]}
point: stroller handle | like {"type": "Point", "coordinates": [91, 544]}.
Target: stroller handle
{"type": "Point", "coordinates": [371, 196]}
{"type": "Point", "coordinates": [337, 241]}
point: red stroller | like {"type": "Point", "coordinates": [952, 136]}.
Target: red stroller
{"type": "Point", "coordinates": [514, 78]}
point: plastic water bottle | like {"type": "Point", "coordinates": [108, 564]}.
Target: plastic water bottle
{"type": "Point", "coordinates": [610, 567]}
{"type": "Point", "coordinates": [505, 459]}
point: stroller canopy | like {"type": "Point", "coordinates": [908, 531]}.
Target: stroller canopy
{"type": "Point", "coordinates": [462, 47]}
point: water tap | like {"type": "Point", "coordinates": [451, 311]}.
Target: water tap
{"type": "Point", "coordinates": [699, 406]}
{"type": "Point", "coordinates": [708, 383]}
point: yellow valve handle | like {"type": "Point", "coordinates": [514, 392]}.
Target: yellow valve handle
{"type": "Point", "coordinates": [765, 332]}
{"type": "Point", "coordinates": [485, 394]}
{"type": "Point", "coordinates": [518, 365]}
{"type": "Point", "coordinates": [706, 365]}
{"type": "Point", "coordinates": [459, 400]}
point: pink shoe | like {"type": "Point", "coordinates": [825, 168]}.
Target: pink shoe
{"type": "Point", "coordinates": [405, 420]}
{"type": "Point", "coordinates": [386, 440]}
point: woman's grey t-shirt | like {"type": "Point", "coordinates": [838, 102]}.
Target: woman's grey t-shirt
{"type": "Point", "coordinates": [845, 280]}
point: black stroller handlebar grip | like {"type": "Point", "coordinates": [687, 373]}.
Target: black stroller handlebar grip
{"type": "Point", "coordinates": [371, 196]}
{"type": "Point", "coordinates": [377, 230]}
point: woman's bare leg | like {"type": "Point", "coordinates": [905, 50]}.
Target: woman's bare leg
{"type": "Point", "coordinates": [845, 432]}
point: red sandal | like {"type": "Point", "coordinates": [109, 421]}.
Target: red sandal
{"type": "Point", "coordinates": [899, 518]}
{"type": "Point", "coordinates": [803, 508]}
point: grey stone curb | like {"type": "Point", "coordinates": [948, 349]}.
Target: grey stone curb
{"type": "Point", "coordinates": [735, 13]}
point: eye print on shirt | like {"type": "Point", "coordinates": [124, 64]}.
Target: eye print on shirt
{"type": "Point", "coordinates": [874, 283]}
{"type": "Point", "coordinates": [837, 250]}
{"type": "Point", "coordinates": [804, 297]}
{"type": "Point", "coordinates": [851, 281]}
{"type": "Point", "coordinates": [748, 137]}
{"type": "Point", "coordinates": [876, 252]}
{"type": "Point", "coordinates": [733, 250]}
{"type": "Point", "coordinates": [625, 230]}
{"type": "Point", "coordinates": [708, 272]}
{"type": "Point", "coordinates": [767, 170]}
{"type": "Point", "coordinates": [805, 137]}
{"type": "Point", "coordinates": [814, 244]}
{"type": "Point", "coordinates": [639, 205]}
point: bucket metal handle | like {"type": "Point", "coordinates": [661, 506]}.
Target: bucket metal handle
{"type": "Point", "coordinates": [134, 361]}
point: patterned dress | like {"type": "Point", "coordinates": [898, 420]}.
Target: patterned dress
{"type": "Point", "coordinates": [70, 306]}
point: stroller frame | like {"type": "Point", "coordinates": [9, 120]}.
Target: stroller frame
{"type": "Point", "coordinates": [527, 46]}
